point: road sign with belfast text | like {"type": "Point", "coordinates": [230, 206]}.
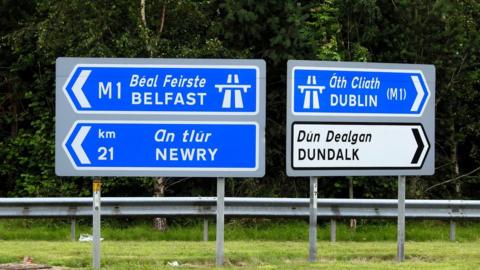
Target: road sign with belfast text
{"type": "Point", "coordinates": [160, 117]}
{"type": "Point", "coordinates": [152, 89]}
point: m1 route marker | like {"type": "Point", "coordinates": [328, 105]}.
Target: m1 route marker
{"type": "Point", "coordinates": [167, 89]}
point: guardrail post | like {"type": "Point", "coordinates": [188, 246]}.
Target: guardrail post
{"type": "Point", "coordinates": [333, 230]}
{"type": "Point", "coordinates": [72, 228]}
{"type": "Point", "coordinates": [205, 229]}
{"type": "Point", "coordinates": [220, 221]}
{"type": "Point", "coordinates": [96, 222]}
{"type": "Point", "coordinates": [452, 230]}
{"type": "Point", "coordinates": [401, 220]}
{"type": "Point", "coordinates": [312, 235]}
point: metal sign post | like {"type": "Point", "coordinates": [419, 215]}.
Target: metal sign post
{"type": "Point", "coordinates": [96, 222]}
{"type": "Point", "coordinates": [312, 234]}
{"type": "Point", "coordinates": [401, 220]}
{"type": "Point", "coordinates": [220, 221]}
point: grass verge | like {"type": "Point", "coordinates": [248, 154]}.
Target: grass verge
{"type": "Point", "coordinates": [436, 255]}
{"type": "Point", "coordinates": [238, 230]}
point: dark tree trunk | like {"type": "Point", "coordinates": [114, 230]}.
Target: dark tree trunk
{"type": "Point", "coordinates": [159, 223]}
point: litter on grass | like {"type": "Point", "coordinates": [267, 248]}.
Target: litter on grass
{"type": "Point", "coordinates": [86, 238]}
{"type": "Point", "coordinates": [173, 264]}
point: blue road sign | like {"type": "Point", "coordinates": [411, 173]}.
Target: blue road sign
{"type": "Point", "coordinates": [358, 91]}
{"type": "Point", "coordinates": [157, 89]}
{"type": "Point", "coordinates": [163, 146]}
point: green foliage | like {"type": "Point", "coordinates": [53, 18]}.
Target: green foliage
{"type": "Point", "coordinates": [34, 33]}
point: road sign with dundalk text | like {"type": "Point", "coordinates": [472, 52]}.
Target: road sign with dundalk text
{"type": "Point", "coordinates": [346, 118]}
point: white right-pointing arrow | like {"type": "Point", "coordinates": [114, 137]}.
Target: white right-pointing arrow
{"type": "Point", "coordinates": [77, 88]}
{"type": "Point", "coordinates": [420, 94]}
{"type": "Point", "coordinates": [77, 145]}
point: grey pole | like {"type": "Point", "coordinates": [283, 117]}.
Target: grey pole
{"type": "Point", "coordinates": [96, 222]}
{"type": "Point", "coordinates": [333, 230]}
{"type": "Point", "coordinates": [72, 228]}
{"type": "Point", "coordinates": [220, 221]}
{"type": "Point", "coordinates": [205, 229]}
{"type": "Point", "coordinates": [401, 220]}
{"type": "Point", "coordinates": [312, 235]}
{"type": "Point", "coordinates": [452, 230]}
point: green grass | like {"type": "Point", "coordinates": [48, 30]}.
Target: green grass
{"type": "Point", "coordinates": [247, 254]}
{"type": "Point", "coordinates": [249, 244]}
{"type": "Point", "coordinates": [241, 229]}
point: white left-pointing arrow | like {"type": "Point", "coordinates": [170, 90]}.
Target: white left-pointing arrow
{"type": "Point", "coordinates": [420, 94]}
{"type": "Point", "coordinates": [78, 91]}
{"type": "Point", "coordinates": [77, 145]}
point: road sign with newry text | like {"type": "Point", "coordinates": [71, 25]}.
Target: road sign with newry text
{"type": "Point", "coordinates": [160, 117]}
{"type": "Point", "coordinates": [163, 146]}
{"type": "Point", "coordinates": [347, 118]}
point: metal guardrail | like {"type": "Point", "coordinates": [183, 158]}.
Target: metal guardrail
{"type": "Point", "coordinates": [243, 207]}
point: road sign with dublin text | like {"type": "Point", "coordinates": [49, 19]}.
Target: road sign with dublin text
{"type": "Point", "coordinates": [358, 91]}
{"type": "Point", "coordinates": [346, 118]}
{"type": "Point", "coordinates": [160, 117]}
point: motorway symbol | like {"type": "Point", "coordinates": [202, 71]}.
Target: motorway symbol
{"type": "Point", "coordinates": [357, 146]}
{"type": "Point", "coordinates": [358, 91]}
{"type": "Point", "coordinates": [163, 89]}
{"type": "Point", "coordinates": [163, 146]}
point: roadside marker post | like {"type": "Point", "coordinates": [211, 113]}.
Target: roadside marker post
{"type": "Point", "coordinates": [333, 230]}
{"type": "Point", "coordinates": [205, 229]}
{"type": "Point", "coordinates": [73, 222]}
{"type": "Point", "coordinates": [452, 230]}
